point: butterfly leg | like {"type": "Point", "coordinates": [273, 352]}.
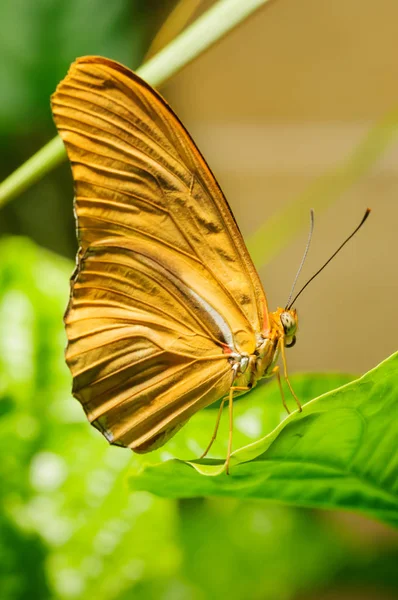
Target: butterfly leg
{"type": "Point", "coordinates": [213, 437]}
{"type": "Point", "coordinates": [231, 421]}
{"type": "Point", "coordinates": [277, 374]}
{"type": "Point", "coordinates": [282, 345]}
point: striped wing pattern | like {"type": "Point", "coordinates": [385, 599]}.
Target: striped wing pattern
{"type": "Point", "coordinates": [164, 288]}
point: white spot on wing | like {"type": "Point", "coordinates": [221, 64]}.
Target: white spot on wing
{"type": "Point", "coordinates": [217, 318]}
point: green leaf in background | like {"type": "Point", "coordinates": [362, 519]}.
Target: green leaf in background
{"type": "Point", "coordinates": [340, 452]}
{"type": "Point", "coordinates": [40, 40]}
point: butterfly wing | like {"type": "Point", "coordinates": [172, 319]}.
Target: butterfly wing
{"type": "Point", "coordinates": [142, 360]}
{"type": "Point", "coordinates": [144, 190]}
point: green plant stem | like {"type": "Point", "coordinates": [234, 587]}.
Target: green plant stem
{"type": "Point", "coordinates": [38, 165]}
{"type": "Point", "coordinates": [203, 33]}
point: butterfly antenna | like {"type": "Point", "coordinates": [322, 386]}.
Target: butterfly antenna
{"type": "Point", "coordinates": [367, 213]}
{"type": "Point", "coordinates": [304, 256]}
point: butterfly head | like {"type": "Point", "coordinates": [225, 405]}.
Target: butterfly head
{"type": "Point", "coordinates": [289, 322]}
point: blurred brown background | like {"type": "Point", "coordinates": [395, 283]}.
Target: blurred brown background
{"type": "Point", "coordinates": [282, 100]}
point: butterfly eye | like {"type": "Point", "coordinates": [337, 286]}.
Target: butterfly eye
{"type": "Point", "coordinates": [289, 324]}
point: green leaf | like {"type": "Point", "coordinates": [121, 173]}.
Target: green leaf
{"type": "Point", "coordinates": [340, 452]}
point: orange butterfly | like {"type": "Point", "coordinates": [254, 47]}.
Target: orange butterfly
{"type": "Point", "coordinates": [167, 313]}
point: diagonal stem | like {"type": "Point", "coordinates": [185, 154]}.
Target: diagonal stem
{"type": "Point", "coordinates": [193, 41]}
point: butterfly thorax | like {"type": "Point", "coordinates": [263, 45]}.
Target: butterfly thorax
{"type": "Point", "coordinates": [282, 330]}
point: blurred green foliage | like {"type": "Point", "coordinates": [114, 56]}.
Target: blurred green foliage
{"type": "Point", "coordinates": [71, 527]}
{"type": "Point", "coordinates": [38, 42]}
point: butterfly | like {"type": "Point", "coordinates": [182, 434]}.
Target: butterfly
{"type": "Point", "coordinates": [167, 313]}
